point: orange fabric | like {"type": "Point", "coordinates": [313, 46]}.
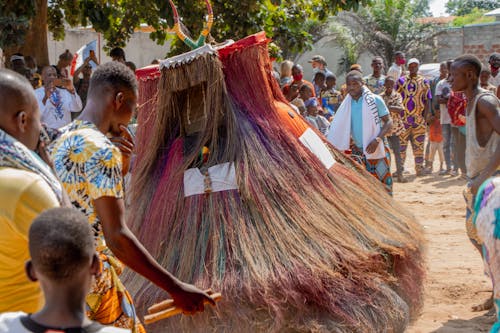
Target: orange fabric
{"type": "Point", "coordinates": [109, 303]}
{"type": "Point", "coordinates": [297, 125]}
{"type": "Point", "coordinates": [435, 131]}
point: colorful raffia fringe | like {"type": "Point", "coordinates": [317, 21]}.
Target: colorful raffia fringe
{"type": "Point", "coordinates": [297, 248]}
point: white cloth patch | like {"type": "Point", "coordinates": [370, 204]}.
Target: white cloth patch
{"type": "Point", "coordinates": [314, 143]}
{"type": "Point", "coordinates": [222, 178]}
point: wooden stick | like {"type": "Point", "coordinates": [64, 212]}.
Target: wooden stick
{"type": "Point", "coordinates": [160, 311]}
{"type": "Point", "coordinates": [161, 306]}
{"type": "Point", "coordinates": [168, 304]}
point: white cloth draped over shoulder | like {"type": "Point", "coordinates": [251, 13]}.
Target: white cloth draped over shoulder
{"type": "Point", "coordinates": [340, 129]}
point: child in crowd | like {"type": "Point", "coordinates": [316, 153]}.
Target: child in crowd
{"type": "Point", "coordinates": [305, 93]}
{"type": "Point", "coordinates": [436, 144]}
{"type": "Point", "coordinates": [484, 78]}
{"type": "Point", "coordinates": [394, 103]}
{"type": "Point", "coordinates": [330, 97]}
{"type": "Point", "coordinates": [319, 82]}
{"type": "Point", "coordinates": [313, 117]}
{"type": "Point", "coordinates": [64, 261]}
{"type": "Point", "coordinates": [295, 100]}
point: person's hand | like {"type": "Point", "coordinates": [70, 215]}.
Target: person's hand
{"type": "Point", "coordinates": [124, 142]}
{"type": "Point", "coordinates": [68, 85]}
{"type": "Point", "coordinates": [190, 299]}
{"type": "Point", "coordinates": [44, 155]}
{"type": "Point", "coordinates": [93, 57]}
{"type": "Point", "coordinates": [372, 147]}
{"type": "Point", "coordinates": [49, 89]}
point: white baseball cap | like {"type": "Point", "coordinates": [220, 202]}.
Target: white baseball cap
{"type": "Point", "coordinates": [413, 61]}
{"type": "Point", "coordinates": [16, 57]}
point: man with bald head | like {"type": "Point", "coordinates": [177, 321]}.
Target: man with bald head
{"type": "Point", "coordinates": [57, 99]}
{"type": "Point", "coordinates": [27, 188]}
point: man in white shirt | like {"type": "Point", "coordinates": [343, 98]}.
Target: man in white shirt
{"type": "Point", "coordinates": [396, 69]}
{"type": "Point", "coordinates": [57, 99]}
{"type": "Point", "coordinates": [443, 90]}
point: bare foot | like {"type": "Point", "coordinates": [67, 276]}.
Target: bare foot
{"type": "Point", "coordinates": [487, 305]}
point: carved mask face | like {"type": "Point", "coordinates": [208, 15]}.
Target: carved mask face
{"type": "Point", "coordinates": [193, 109]}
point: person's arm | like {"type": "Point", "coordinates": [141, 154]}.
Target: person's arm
{"type": "Point", "coordinates": [125, 246]}
{"type": "Point", "coordinates": [76, 74]}
{"type": "Point", "coordinates": [427, 98]}
{"type": "Point", "coordinates": [488, 107]}
{"type": "Point", "coordinates": [74, 101]}
{"type": "Point", "coordinates": [386, 128]}
{"type": "Point", "coordinates": [110, 208]}
{"type": "Point", "coordinates": [394, 108]}
{"type": "Point", "coordinates": [387, 121]}
{"type": "Point", "coordinates": [48, 89]}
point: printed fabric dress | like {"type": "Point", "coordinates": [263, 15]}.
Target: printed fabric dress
{"type": "Point", "coordinates": [90, 167]}
{"type": "Point", "coordinates": [394, 99]}
{"type": "Point", "coordinates": [487, 221]}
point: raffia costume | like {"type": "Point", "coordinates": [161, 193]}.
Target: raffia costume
{"type": "Point", "coordinates": [234, 191]}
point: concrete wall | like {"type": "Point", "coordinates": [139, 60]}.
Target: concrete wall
{"type": "Point", "coordinates": [328, 48]}
{"type": "Point", "coordinates": [140, 49]}
{"type": "Point", "coordinates": [480, 40]}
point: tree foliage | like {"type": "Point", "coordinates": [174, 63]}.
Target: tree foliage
{"type": "Point", "coordinates": [292, 24]}
{"type": "Point", "coordinates": [15, 19]}
{"type": "Point", "coordinates": [474, 17]}
{"type": "Point", "coordinates": [464, 7]}
{"type": "Point", "coordinates": [382, 29]}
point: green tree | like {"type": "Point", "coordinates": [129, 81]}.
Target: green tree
{"type": "Point", "coordinates": [384, 28]}
{"type": "Point", "coordinates": [292, 24]}
{"type": "Point", "coordinates": [474, 17]}
{"type": "Point", "coordinates": [421, 8]}
{"type": "Point", "coordinates": [464, 7]}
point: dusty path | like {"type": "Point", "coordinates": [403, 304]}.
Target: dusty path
{"type": "Point", "coordinates": [455, 279]}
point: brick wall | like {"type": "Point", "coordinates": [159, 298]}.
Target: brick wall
{"type": "Point", "coordinates": [480, 40]}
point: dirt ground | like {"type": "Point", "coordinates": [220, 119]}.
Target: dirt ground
{"type": "Point", "coordinates": [455, 279]}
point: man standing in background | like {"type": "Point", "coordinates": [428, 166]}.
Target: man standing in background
{"type": "Point", "coordinates": [416, 94]}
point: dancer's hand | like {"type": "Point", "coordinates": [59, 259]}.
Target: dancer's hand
{"type": "Point", "coordinates": [124, 142]}
{"type": "Point", "coordinates": [190, 299]}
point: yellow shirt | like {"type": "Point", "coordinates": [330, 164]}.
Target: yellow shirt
{"type": "Point", "coordinates": [23, 195]}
